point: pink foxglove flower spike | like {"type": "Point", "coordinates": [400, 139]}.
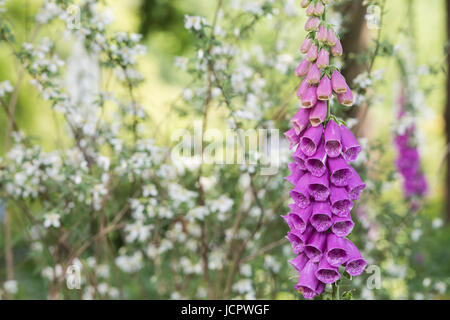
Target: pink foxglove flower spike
{"type": "Point", "coordinates": [324, 183]}
{"type": "Point", "coordinates": [408, 164]}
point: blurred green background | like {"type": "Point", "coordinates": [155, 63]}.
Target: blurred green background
{"type": "Point", "coordinates": [162, 23]}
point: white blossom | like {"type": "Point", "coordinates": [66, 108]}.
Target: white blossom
{"type": "Point", "coordinates": [52, 220]}
{"type": "Point", "coordinates": [194, 22]}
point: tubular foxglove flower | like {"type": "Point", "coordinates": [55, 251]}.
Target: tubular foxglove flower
{"type": "Point", "coordinates": [322, 34]}
{"type": "Point", "coordinates": [333, 146]}
{"type": "Point", "coordinates": [302, 89]}
{"type": "Point", "coordinates": [308, 282]}
{"type": "Point", "coordinates": [312, 24]}
{"type": "Point", "coordinates": [319, 187]}
{"type": "Point", "coordinates": [324, 90]}
{"type": "Point", "coordinates": [299, 262]}
{"type": "Point", "coordinates": [355, 185]}
{"type": "Point", "coordinates": [319, 9]}
{"type": "Point", "coordinates": [318, 114]}
{"type": "Point", "coordinates": [340, 171]}
{"type": "Point", "coordinates": [323, 59]}
{"type": "Point", "coordinates": [326, 273]}
{"type": "Point", "coordinates": [310, 10]}
{"type": "Point", "coordinates": [316, 164]}
{"type": "Point", "coordinates": [356, 263]}
{"type": "Point", "coordinates": [321, 217]}
{"type": "Point", "coordinates": [350, 145]}
{"type": "Point", "coordinates": [305, 3]}
{"type": "Point", "coordinates": [300, 159]}
{"type": "Point", "coordinates": [338, 82]}
{"type": "Point", "coordinates": [288, 221]}
{"type": "Point", "coordinates": [341, 205]}
{"type": "Point", "coordinates": [337, 250]}
{"type": "Point", "coordinates": [300, 120]}
{"type": "Point", "coordinates": [292, 137]}
{"type": "Point", "coordinates": [313, 74]}
{"type": "Point", "coordinates": [300, 194]}
{"type": "Point", "coordinates": [320, 288]}
{"type": "Point", "coordinates": [332, 39]}
{"type": "Point", "coordinates": [311, 140]}
{"type": "Point", "coordinates": [297, 240]}
{"type": "Point", "coordinates": [299, 217]}
{"type": "Point", "coordinates": [315, 246]}
{"type": "Point", "coordinates": [309, 98]}
{"type": "Point", "coordinates": [346, 98]}
{"type": "Point", "coordinates": [325, 184]}
{"type": "Point", "coordinates": [303, 68]}
{"type": "Point", "coordinates": [296, 174]}
{"type": "Point", "coordinates": [306, 45]}
{"type": "Point", "coordinates": [342, 226]}
{"type": "Point", "coordinates": [312, 53]}
{"type": "Point", "coordinates": [337, 50]}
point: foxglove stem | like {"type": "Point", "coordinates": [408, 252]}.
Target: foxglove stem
{"type": "Point", "coordinates": [335, 293]}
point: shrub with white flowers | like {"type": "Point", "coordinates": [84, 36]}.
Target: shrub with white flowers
{"type": "Point", "coordinates": [106, 202]}
{"type": "Point", "coordinates": [108, 199]}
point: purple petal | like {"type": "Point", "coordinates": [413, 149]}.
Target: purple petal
{"type": "Point", "coordinates": [320, 288]}
{"type": "Point", "coordinates": [292, 137]}
{"type": "Point", "coordinates": [309, 97]}
{"type": "Point", "coordinates": [299, 262]}
{"type": "Point", "coordinates": [321, 217]}
{"type": "Point", "coordinates": [298, 239]}
{"type": "Point", "coordinates": [318, 114]}
{"type": "Point", "coordinates": [323, 59]}
{"type": "Point", "coordinates": [295, 176]}
{"type": "Point", "coordinates": [341, 205]}
{"type": "Point", "coordinates": [315, 246]}
{"type": "Point", "coordinates": [319, 187]}
{"type": "Point", "coordinates": [300, 159]}
{"type": "Point", "coordinates": [302, 88]}
{"type": "Point", "coordinates": [303, 68]}
{"type": "Point", "coordinates": [326, 273]}
{"type": "Point", "coordinates": [350, 145]}
{"type": "Point", "coordinates": [311, 140]}
{"type": "Point", "coordinates": [342, 226]}
{"type": "Point", "coordinates": [333, 146]}
{"type": "Point", "coordinates": [306, 45]}
{"type": "Point", "coordinates": [301, 120]}
{"type": "Point", "coordinates": [355, 185]}
{"type": "Point", "coordinates": [340, 171]}
{"type": "Point", "coordinates": [300, 217]}
{"type": "Point", "coordinates": [324, 90]}
{"type": "Point", "coordinates": [313, 74]}
{"type": "Point", "coordinates": [355, 263]}
{"type": "Point", "coordinates": [316, 164]}
{"type": "Point", "coordinates": [307, 283]}
{"type": "Point", "coordinates": [338, 82]}
{"type": "Point", "coordinates": [300, 194]}
{"type": "Point", "coordinates": [337, 250]}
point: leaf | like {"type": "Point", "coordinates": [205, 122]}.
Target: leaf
{"type": "Point", "coordinates": [347, 295]}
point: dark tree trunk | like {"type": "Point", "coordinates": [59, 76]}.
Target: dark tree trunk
{"type": "Point", "coordinates": [355, 39]}
{"type": "Point", "coordinates": [447, 118]}
{"type": "Point", "coordinates": [354, 42]}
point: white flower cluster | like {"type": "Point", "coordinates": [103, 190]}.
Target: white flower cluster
{"type": "Point", "coordinates": [195, 23]}
{"type": "Point", "coordinates": [110, 196]}
{"type": "Point", "coordinates": [130, 263]}
{"type": "Point", "coordinates": [5, 87]}
{"type": "Point", "coordinates": [2, 6]}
